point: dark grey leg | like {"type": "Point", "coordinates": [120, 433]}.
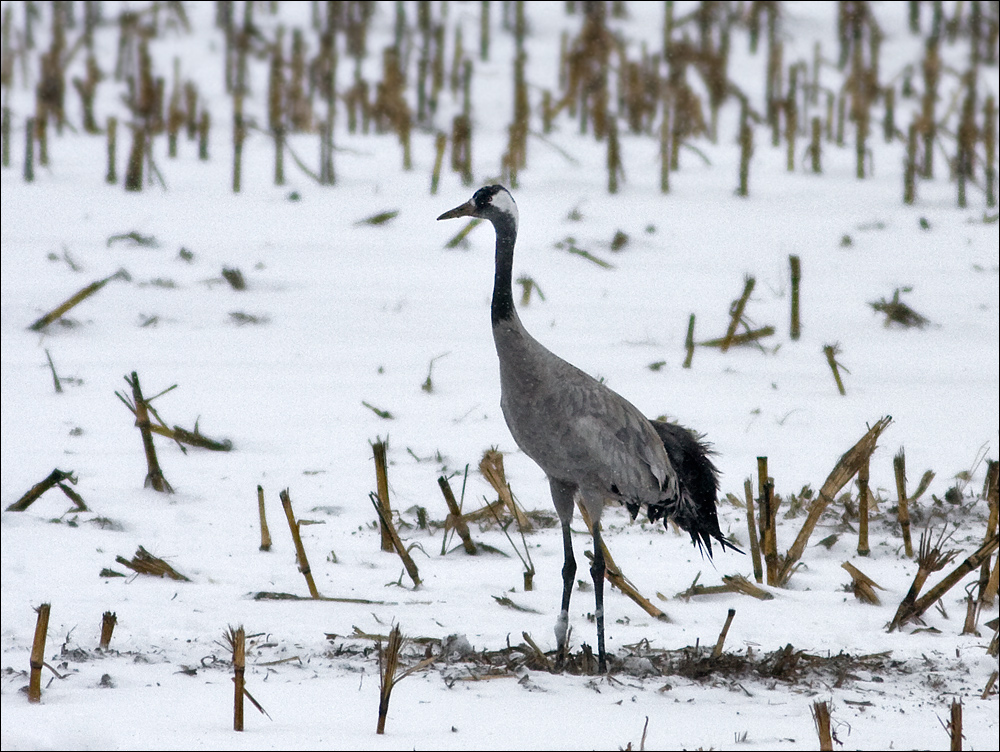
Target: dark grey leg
{"type": "Point", "coordinates": [562, 498]}
{"type": "Point", "coordinates": [569, 577]}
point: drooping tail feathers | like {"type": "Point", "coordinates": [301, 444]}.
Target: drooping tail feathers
{"type": "Point", "coordinates": [698, 485]}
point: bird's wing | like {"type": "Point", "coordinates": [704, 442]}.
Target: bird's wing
{"type": "Point", "coordinates": [613, 445]}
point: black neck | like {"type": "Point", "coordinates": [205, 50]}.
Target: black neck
{"type": "Point", "coordinates": [503, 297]}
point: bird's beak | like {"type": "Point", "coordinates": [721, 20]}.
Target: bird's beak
{"type": "Point", "coordinates": [465, 210]}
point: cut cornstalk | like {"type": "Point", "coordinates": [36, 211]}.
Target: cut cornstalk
{"type": "Point", "coordinates": [737, 583]}
{"type": "Point", "coordinates": [689, 342]}
{"type": "Point", "coordinates": [237, 639]}
{"type": "Point", "coordinates": [717, 650]}
{"type": "Point", "coordinates": [397, 543]}
{"type": "Point", "coordinates": [491, 466]}
{"type": "Point", "coordinates": [845, 469]}
{"type": "Point", "coordinates": [771, 559]}
{"type": "Point", "coordinates": [736, 312]}
{"type": "Point", "coordinates": [731, 583]}
{"type": "Point", "coordinates": [37, 660]}
{"type": "Point", "coordinates": [863, 473]}
{"type": "Point", "coordinates": [831, 352]}
{"type": "Point", "coordinates": [796, 271]}
{"type": "Point", "coordinates": [56, 477]}
{"type": "Point", "coordinates": [758, 569]}
{"type": "Point", "coordinates": [955, 726]}
{"type": "Point", "coordinates": [144, 562]}
{"type": "Point", "coordinates": [382, 483]}
{"type": "Point", "coordinates": [154, 475]}
{"type": "Point", "coordinates": [108, 622]}
{"type": "Point", "coordinates": [746, 338]}
{"type": "Point", "coordinates": [265, 534]}
{"type": "Point", "coordinates": [389, 674]}
{"type": "Point", "coordinates": [899, 469]}
{"type": "Point", "coordinates": [300, 551]}
{"type": "Point", "coordinates": [912, 610]}
{"type": "Point", "coordinates": [539, 654]}
{"type": "Point", "coordinates": [55, 376]}
{"type": "Point", "coordinates": [988, 581]}
{"type": "Point", "coordinates": [79, 297]}
{"type": "Point", "coordinates": [821, 715]}
{"type": "Point", "coordinates": [862, 585]}
{"type": "Point", "coordinates": [455, 518]}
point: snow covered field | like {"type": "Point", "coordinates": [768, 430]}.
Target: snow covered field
{"type": "Point", "coordinates": [338, 313]}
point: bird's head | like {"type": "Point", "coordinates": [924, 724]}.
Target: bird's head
{"type": "Point", "coordinates": [492, 202]}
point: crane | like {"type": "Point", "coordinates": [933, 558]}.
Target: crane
{"type": "Point", "coordinates": [591, 443]}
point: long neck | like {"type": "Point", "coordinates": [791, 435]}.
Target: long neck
{"type": "Point", "coordinates": [503, 297]}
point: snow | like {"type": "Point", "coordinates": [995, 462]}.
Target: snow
{"type": "Point", "coordinates": [354, 313]}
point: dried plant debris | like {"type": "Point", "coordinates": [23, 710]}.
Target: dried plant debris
{"type": "Point", "coordinates": [234, 277]}
{"type": "Point", "coordinates": [379, 219]}
{"type": "Point", "coordinates": [619, 241]}
{"type": "Point", "coordinates": [242, 319]}
{"type": "Point", "coordinates": [145, 563]}
{"type": "Point", "coordinates": [640, 661]}
{"type": "Point", "coordinates": [56, 478]}
{"type": "Point", "coordinates": [134, 239]}
{"type": "Point", "coordinates": [897, 312]}
{"type": "Point", "coordinates": [569, 245]}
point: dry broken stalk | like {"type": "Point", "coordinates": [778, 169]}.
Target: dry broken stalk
{"type": "Point", "coordinates": [689, 342]}
{"type": "Point", "coordinates": [747, 337]}
{"type": "Point", "coordinates": [913, 610]}
{"type": "Point", "coordinates": [717, 650]}
{"type": "Point", "coordinates": [821, 715]}
{"type": "Point", "coordinates": [396, 542]}
{"type": "Point", "coordinates": [862, 585]}
{"type": "Point", "coordinates": [955, 726]}
{"type": "Point", "coordinates": [55, 478]}
{"type": "Point", "coordinates": [529, 566]}
{"type": "Point", "coordinates": [831, 352]}
{"type": "Point", "coordinates": [863, 473]}
{"type": "Point", "coordinates": [300, 551]}
{"type": "Point", "coordinates": [988, 581]}
{"type": "Point", "coordinates": [455, 518]}
{"type": "Point", "coordinates": [840, 476]}
{"type": "Point", "coordinates": [539, 654]}
{"type": "Point", "coordinates": [731, 583]}
{"type": "Point", "coordinates": [758, 569]}
{"type": "Point", "coordinates": [79, 297]}
{"type": "Point", "coordinates": [38, 653]}
{"type": "Point", "coordinates": [237, 639]}
{"type": "Point", "coordinates": [389, 675]}
{"type": "Point", "coordinates": [971, 611]}
{"type": "Point", "coordinates": [108, 622]}
{"type": "Point", "coordinates": [615, 576]}
{"type": "Point", "coordinates": [736, 312]}
{"type": "Point", "coordinates": [795, 327]}
{"type": "Point", "coordinates": [154, 476]}
{"type": "Point", "coordinates": [379, 448]}
{"type": "Point", "coordinates": [899, 469]}
{"type": "Point", "coordinates": [930, 558]}
{"type": "Point", "coordinates": [265, 534]}
{"type": "Point", "coordinates": [737, 583]}
{"type": "Point", "coordinates": [144, 562]}
{"type": "Point", "coordinates": [491, 466]}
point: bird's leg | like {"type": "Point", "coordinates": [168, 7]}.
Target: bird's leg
{"type": "Point", "coordinates": [569, 575]}
{"type": "Point", "coordinates": [562, 499]}
{"type": "Point", "coordinates": [597, 570]}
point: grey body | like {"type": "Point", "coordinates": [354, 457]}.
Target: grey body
{"type": "Point", "coordinates": [579, 431]}
{"type": "Point", "coordinates": [591, 443]}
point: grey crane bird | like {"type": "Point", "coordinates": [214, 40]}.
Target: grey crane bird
{"type": "Point", "coordinates": [589, 441]}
